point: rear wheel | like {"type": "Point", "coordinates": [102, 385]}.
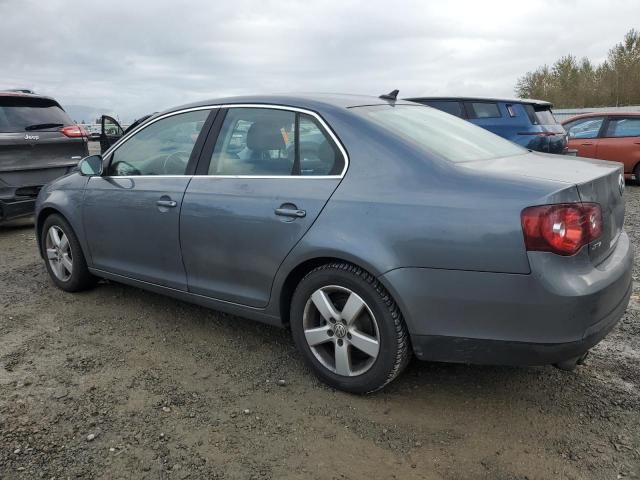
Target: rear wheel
{"type": "Point", "coordinates": [348, 328]}
{"type": "Point", "coordinates": [636, 174]}
{"type": "Point", "coordinates": [64, 259]}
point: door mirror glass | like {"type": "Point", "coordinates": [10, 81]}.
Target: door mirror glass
{"type": "Point", "coordinates": [91, 166]}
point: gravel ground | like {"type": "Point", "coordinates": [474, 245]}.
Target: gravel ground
{"type": "Point", "coordinates": [121, 383]}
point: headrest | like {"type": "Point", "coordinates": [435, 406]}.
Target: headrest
{"type": "Point", "coordinates": [265, 135]}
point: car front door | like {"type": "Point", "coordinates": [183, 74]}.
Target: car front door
{"type": "Point", "coordinates": [110, 132]}
{"type": "Point", "coordinates": [583, 135]}
{"type": "Point", "coordinates": [264, 177]}
{"type": "Point", "coordinates": [621, 142]}
{"type": "Point", "coordinates": [131, 213]}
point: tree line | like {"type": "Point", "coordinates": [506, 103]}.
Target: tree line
{"type": "Point", "coordinates": [573, 83]}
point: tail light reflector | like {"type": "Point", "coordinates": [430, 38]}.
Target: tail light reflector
{"type": "Point", "coordinates": [562, 228]}
{"type": "Point", "coordinates": [74, 131]}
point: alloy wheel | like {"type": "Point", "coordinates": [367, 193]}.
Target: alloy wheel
{"type": "Point", "coordinates": [59, 254]}
{"type": "Point", "coordinates": [341, 330]}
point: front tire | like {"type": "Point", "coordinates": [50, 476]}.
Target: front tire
{"type": "Point", "coordinates": [636, 174]}
{"type": "Point", "coordinates": [63, 255]}
{"type": "Point", "coordinates": [348, 328]}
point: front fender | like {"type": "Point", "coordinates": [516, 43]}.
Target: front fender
{"type": "Point", "coordinates": [64, 196]}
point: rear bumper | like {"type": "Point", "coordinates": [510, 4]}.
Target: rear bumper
{"type": "Point", "coordinates": [16, 208]}
{"type": "Point", "coordinates": [557, 312]}
{"type": "Point", "coordinates": [496, 352]}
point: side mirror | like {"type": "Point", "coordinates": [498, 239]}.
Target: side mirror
{"type": "Point", "coordinates": [91, 166]}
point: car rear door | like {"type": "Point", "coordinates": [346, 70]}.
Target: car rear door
{"type": "Point", "coordinates": [131, 213]}
{"type": "Point", "coordinates": [583, 135]}
{"type": "Point", "coordinates": [263, 179]}
{"type": "Point", "coordinates": [34, 148]}
{"type": "Point", "coordinates": [620, 141]}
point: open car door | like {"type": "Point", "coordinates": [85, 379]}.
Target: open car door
{"type": "Point", "coordinates": [110, 132]}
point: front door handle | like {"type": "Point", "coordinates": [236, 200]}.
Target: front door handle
{"type": "Point", "coordinates": [587, 144]}
{"type": "Point", "coordinates": [167, 203]}
{"type": "Point", "coordinates": [290, 212]}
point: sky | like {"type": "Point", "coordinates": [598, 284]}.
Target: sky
{"type": "Point", "coordinates": [140, 56]}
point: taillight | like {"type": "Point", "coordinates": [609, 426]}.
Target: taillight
{"type": "Point", "coordinates": [74, 131]}
{"type": "Point", "coordinates": [562, 228]}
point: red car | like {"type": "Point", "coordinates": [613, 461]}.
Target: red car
{"type": "Point", "coordinates": [608, 136]}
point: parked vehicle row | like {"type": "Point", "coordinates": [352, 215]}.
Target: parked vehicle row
{"type": "Point", "coordinates": [38, 143]}
{"type": "Point", "coordinates": [374, 228]}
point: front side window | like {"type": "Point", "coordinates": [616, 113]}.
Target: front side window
{"type": "Point", "coordinates": [624, 127]}
{"type": "Point", "coordinates": [273, 142]}
{"type": "Point", "coordinates": [449, 137]}
{"type": "Point", "coordinates": [162, 148]}
{"type": "Point", "coordinates": [483, 110]}
{"type": "Point", "coordinates": [585, 128]}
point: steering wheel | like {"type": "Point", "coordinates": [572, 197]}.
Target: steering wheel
{"type": "Point", "coordinates": [123, 169]}
{"type": "Point", "coordinates": [176, 163]}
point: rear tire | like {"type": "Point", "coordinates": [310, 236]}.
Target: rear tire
{"type": "Point", "coordinates": [636, 174]}
{"type": "Point", "coordinates": [63, 255]}
{"type": "Point", "coordinates": [348, 328]}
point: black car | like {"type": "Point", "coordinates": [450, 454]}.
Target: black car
{"type": "Point", "coordinates": [527, 122]}
{"type": "Point", "coordinates": [38, 143]}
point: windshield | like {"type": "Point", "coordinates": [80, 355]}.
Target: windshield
{"type": "Point", "coordinates": [445, 135]}
{"type": "Point", "coordinates": [23, 114]}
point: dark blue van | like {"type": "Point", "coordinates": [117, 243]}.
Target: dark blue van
{"type": "Point", "coordinates": [529, 123]}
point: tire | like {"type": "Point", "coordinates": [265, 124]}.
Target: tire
{"type": "Point", "coordinates": [347, 358]}
{"type": "Point", "coordinates": [58, 256]}
{"type": "Point", "coordinates": [636, 174]}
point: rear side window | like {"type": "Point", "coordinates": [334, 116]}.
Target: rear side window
{"type": "Point", "coordinates": [454, 108]}
{"type": "Point", "coordinates": [483, 110]}
{"type": "Point", "coordinates": [269, 142]}
{"type": "Point", "coordinates": [623, 127]}
{"type": "Point", "coordinates": [540, 116]}
{"type": "Point", "coordinates": [24, 114]}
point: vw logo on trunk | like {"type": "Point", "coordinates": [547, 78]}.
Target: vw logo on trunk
{"type": "Point", "coordinates": [621, 183]}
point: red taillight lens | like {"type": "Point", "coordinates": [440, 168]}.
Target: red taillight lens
{"type": "Point", "coordinates": [561, 228]}
{"type": "Point", "coordinates": [74, 131]}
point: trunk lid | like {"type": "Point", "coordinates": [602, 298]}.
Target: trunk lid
{"type": "Point", "coordinates": [596, 181]}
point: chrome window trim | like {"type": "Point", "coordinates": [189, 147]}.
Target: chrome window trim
{"type": "Point", "coordinates": [320, 120]}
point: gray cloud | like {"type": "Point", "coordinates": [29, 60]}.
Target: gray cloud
{"type": "Point", "coordinates": [138, 56]}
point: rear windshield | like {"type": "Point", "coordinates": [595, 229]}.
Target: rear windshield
{"type": "Point", "coordinates": [21, 114]}
{"type": "Point", "coordinates": [445, 135]}
{"type": "Point", "coordinates": [540, 115]}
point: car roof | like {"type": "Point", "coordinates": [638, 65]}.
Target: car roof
{"type": "Point", "coordinates": [601, 114]}
{"type": "Point", "coordinates": [309, 101]}
{"type": "Point", "coordinates": [10, 93]}
{"type": "Point", "coordinates": [530, 101]}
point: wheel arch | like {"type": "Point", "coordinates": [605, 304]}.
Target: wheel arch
{"type": "Point", "coordinates": [43, 214]}
{"type": "Point", "coordinates": [303, 267]}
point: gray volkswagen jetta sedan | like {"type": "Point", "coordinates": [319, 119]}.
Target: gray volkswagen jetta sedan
{"type": "Point", "coordinates": [374, 229]}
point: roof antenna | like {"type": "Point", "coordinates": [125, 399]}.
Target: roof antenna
{"type": "Point", "coordinates": [393, 95]}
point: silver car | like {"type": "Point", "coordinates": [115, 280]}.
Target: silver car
{"type": "Point", "coordinates": [374, 229]}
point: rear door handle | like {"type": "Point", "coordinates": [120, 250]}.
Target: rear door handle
{"type": "Point", "coordinates": [587, 144]}
{"type": "Point", "coordinates": [167, 203]}
{"type": "Point", "coordinates": [290, 212]}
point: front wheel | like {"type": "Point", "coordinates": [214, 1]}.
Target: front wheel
{"type": "Point", "coordinates": [63, 256]}
{"type": "Point", "coordinates": [636, 174]}
{"type": "Point", "coordinates": [348, 328]}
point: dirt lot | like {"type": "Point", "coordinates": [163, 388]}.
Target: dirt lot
{"type": "Point", "coordinates": [120, 383]}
